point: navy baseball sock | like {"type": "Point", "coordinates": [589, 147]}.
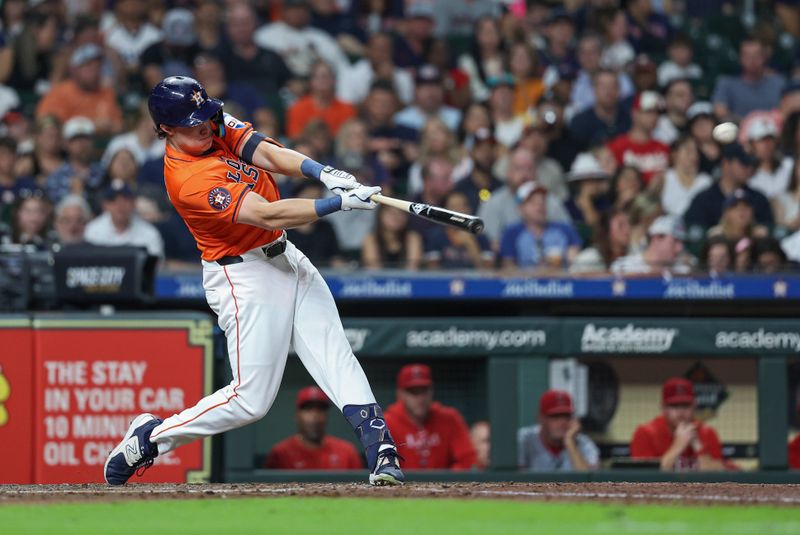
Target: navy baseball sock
{"type": "Point", "coordinates": [370, 428]}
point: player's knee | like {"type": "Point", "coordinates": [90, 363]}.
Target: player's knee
{"type": "Point", "coordinates": [253, 409]}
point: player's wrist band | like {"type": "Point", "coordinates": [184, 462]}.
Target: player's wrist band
{"type": "Point", "coordinates": [327, 206]}
{"type": "Point", "coordinates": [311, 168]}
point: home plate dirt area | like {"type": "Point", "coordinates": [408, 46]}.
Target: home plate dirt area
{"type": "Point", "coordinates": [629, 493]}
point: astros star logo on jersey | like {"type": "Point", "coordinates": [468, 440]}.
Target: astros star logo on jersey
{"type": "Point", "coordinates": [219, 198]}
{"type": "Point", "coordinates": [198, 99]}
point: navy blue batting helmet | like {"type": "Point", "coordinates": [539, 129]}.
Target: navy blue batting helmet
{"type": "Point", "coordinates": [181, 101]}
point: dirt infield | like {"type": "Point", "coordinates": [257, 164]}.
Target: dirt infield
{"type": "Point", "coordinates": [651, 493]}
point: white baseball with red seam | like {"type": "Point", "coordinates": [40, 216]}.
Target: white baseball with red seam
{"type": "Point", "coordinates": [725, 133]}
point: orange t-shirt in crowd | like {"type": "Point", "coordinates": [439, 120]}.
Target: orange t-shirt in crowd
{"type": "Point", "coordinates": [527, 95]}
{"type": "Point", "coordinates": [305, 109]}
{"type": "Point", "coordinates": [207, 191]}
{"type": "Point", "coordinates": [66, 100]}
{"type": "Point", "coordinates": [333, 454]}
{"type": "Point", "coordinates": [653, 439]}
{"type": "Point", "coordinates": [794, 453]}
{"type": "Point", "coordinates": [442, 443]}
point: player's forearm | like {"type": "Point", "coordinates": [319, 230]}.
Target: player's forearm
{"type": "Point", "coordinates": [667, 463]}
{"type": "Point", "coordinates": [286, 213]}
{"type": "Point", "coordinates": [578, 462]}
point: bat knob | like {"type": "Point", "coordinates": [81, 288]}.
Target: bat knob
{"type": "Point", "coordinates": [475, 226]}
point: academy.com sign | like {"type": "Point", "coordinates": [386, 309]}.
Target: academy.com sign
{"type": "Point", "coordinates": [476, 338]}
{"type": "Point", "coordinates": [627, 339]}
{"type": "Point", "coordinates": [760, 339]}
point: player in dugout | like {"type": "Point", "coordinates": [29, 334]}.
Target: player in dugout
{"type": "Point", "coordinates": [311, 448]}
{"type": "Point", "coordinates": [678, 440]}
{"type": "Point", "coordinates": [429, 435]}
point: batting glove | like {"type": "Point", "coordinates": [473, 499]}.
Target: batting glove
{"type": "Point", "coordinates": [359, 198]}
{"type": "Point", "coordinates": [338, 181]}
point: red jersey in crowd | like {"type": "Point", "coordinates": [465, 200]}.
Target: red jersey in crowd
{"type": "Point", "coordinates": [649, 158]}
{"type": "Point", "coordinates": [333, 454]}
{"type": "Point", "coordinates": [794, 453]}
{"type": "Point", "coordinates": [442, 443]}
{"type": "Point", "coordinates": [653, 439]}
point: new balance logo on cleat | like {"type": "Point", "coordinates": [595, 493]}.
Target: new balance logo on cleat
{"type": "Point", "coordinates": [134, 452]}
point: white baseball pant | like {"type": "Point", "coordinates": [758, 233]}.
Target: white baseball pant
{"type": "Point", "coordinates": [264, 305]}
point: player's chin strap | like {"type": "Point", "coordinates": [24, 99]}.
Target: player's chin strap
{"type": "Point", "coordinates": [370, 427]}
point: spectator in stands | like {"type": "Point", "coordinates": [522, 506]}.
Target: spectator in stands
{"type": "Point", "coordinates": [317, 239]}
{"type": "Point", "coordinates": [480, 184]}
{"type": "Point", "coordinates": [437, 183]}
{"type": "Point", "coordinates": [736, 223]}
{"type": "Point", "coordinates": [508, 126]}
{"type": "Point", "coordinates": [678, 97]}
{"type": "Point", "coordinates": [536, 242]}
{"type": "Point", "coordinates": [480, 433]}
{"type": "Point", "coordinates": [476, 117]}
{"type": "Point", "coordinates": [428, 102]}
{"type": "Point", "coordinates": [321, 103]}
{"type": "Point", "coordinates": [80, 173]}
{"type": "Point", "coordinates": [523, 65]}
{"type": "Point", "coordinates": [559, 31]}
{"type": "Point", "coordinates": [351, 152]}
{"type": "Point", "coordinates": [700, 124]}
{"type": "Point", "coordinates": [415, 35]}
{"type": "Point", "coordinates": [637, 147]}
{"type": "Point", "coordinates": [300, 44]}
{"type": "Point", "coordinates": [72, 214]}
{"type": "Point", "coordinates": [48, 151]}
{"type": "Point", "coordinates": [612, 239]}
{"type": "Point", "coordinates": [786, 205]}
{"type": "Point", "coordinates": [12, 186]}
{"type": "Point", "coordinates": [683, 181]}
{"type": "Point", "coordinates": [773, 172]}
{"type": "Point", "coordinates": [680, 65]}
{"type": "Point", "coordinates": [130, 34]}
{"type": "Point", "coordinates": [30, 224]}
{"type": "Point", "coordinates": [141, 141]}
{"type": "Point", "coordinates": [626, 186]}
{"type": "Point", "coordinates": [754, 89]}
{"type": "Point", "coordinates": [648, 30]}
{"type": "Point", "coordinates": [705, 210]}
{"type": "Point", "coordinates": [549, 173]}
{"type": "Point", "coordinates": [82, 94]}
{"type": "Point", "coordinates": [119, 224]}
{"type": "Point", "coordinates": [618, 53]}
{"type": "Point", "coordinates": [562, 146]}
{"type": "Point", "coordinates": [392, 144]}
{"type": "Point", "coordinates": [767, 256]}
{"type": "Point", "coordinates": [122, 167]}
{"type": "Point", "coordinates": [353, 83]}
{"type": "Point", "coordinates": [429, 435]}
{"type": "Point", "coordinates": [311, 448]}
{"type": "Point", "coordinates": [436, 142]}
{"type": "Point", "coordinates": [645, 77]}
{"type": "Point", "coordinates": [717, 256]}
{"type": "Point", "coordinates": [454, 79]}
{"type": "Point", "coordinates": [486, 57]}
{"type": "Point", "coordinates": [448, 248]}
{"type": "Point", "coordinates": [392, 244]}
{"type": "Point", "coordinates": [590, 48]}
{"type": "Point", "coordinates": [675, 438]}
{"type": "Point", "coordinates": [606, 118]}
{"type": "Point", "coordinates": [175, 53]}
{"type": "Point", "coordinates": [207, 17]}
{"type": "Point", "coordinates": [665, 243]}
{"type": "Point", "coordinates": [556, 444]}
{"type": "Point", "coordinates": [589, 184]}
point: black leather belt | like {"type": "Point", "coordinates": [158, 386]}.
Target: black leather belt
{"type": "Point", "coordinates": [276, 249]}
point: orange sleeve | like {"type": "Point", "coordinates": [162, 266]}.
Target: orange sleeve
{"type": "Point", "coordinates": [464, 456]}
{"type": "Point", "coordinates": [211, 195]}
{"type": "Point", "coordinates": [642, 446]}
{"type": "Point", "coordinates": [237, 135]}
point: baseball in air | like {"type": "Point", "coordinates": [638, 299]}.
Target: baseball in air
{"type": "Point", "coordinates": [725, 133]}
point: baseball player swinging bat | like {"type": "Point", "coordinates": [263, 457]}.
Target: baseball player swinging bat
{"type": "Point", "coordinates": [458, 220]}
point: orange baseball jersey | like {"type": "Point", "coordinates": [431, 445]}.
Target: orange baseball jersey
{"type": "Point", "coordinates": [207, 190]}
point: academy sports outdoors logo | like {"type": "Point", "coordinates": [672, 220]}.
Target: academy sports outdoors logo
{"type": "Point", "coordinates": [628, 339]}
{"type": "Point", "coordinates": [5, 393]}
{"type": "Point", "coordinates": [760, 339]}
{"type": "Point", "coordinates": [219, 198]}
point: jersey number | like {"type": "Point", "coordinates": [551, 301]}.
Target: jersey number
{"type": "Point", "coordinates": [240, 168]}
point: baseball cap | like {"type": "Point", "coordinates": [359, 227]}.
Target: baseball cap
{"type": "Point", "coordinates": [117, 188]}
{"type": "Point", "coordinates": [735, 151]}
{"type": "Point", "coordinates": [500, 80]}
{"type": "Point", "coordinates": [740, 195]}
{"type": "Point", "coordinates": [642, 63]}
{"type": "Point", "coordinates": [699, 109]}
{"type": "Point", "coordinates": [586, 167]}
{"type": "Point", "coordinates": [677, 391]}
{"type": "Point", "coordinates": [178, 27]}
{"type": "Point", "coordinates": [428, 74]}
{"type": "Point", "coordinates": [412, 375]}
{"type": "Point", "coordinates": [761, 127]}
{"type": "Point", "coordinates": [527, 189]}
{"type": "Point", "coordinates": [556, 402]}
{"type": "Point", "coordinates": [666, 225]}
{"type": "Point", "coordinates": [84, 54]}
{"type": "Point", "coordinates": [311, 394]}
{"type": "Point", "coordinates": [648, 101]}
{"type": "Point", "coordinates": [77, 126]}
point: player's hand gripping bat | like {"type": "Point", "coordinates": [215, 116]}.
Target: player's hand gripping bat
{"type": "Point", "coordinates": [466, 222]}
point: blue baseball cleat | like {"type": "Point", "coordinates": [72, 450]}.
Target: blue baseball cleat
{"type": "Point", "coordinates": [387, 469]}
{"type": "Point", "coordinates": [134, 452]}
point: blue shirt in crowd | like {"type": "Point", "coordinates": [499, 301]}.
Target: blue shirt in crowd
{"type": "Point", "coordinates": [528, 250]}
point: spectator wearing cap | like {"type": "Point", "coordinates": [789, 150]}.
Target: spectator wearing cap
{"type": "Point", "coordinates": [411, 47]}
{"type": "Point", "coordinates": [675, 438]}
{"type": "Point", "coordinates": [429, 435]}
{"type": "Point", "coordinates": [508, 126]}
{"type": "Point", "coordinates": [174, 54]}
{"type": "Point", "coordinates": [680, 65]}
{"type": "Point", "coordinates": [558, 53]}
{"type": "Point", "coordinates": [706, 208]}
{"type": "Point", "coordinates": [536, 242]}
{"type": "Point", "coordinates": [700, 124]}
{"type": "Point", "coordinates": [353, 83]}
{"type": "Point", "coordinates": [662, 254]}
{"type": "Point", "coordinates": [772, 172]}
{"type": "Point", "coordinates": [736, 224]}
{"type": "Point", "coordinates": [606, 118]}
{"type": "Point", "coordinates": [449, 248]}
{"type": "Point", "coordinates": [120, 225]}
{"type": "Point", "coordinates": [754, 89]}
{"type": "Point", "coordinates": [590, 48]}
{"type": "Point", "coordinates": [486, 57]}
{"type": "Point", "coordinates": [683, 180]}
{"type": "Point", "coordinates": [612, 240]}
{"type": "Point", "coordinates": [129, 33]}
{"type": "Point", "coordinates": [311, 448]}
{"type": "Point", "coordinates": [645, 76]}
{"type": "Point", "coordinates": [648, 31]}
{"type": "Point", "coordinates": [678, 97]}
{"type": "Point", "coordinates": [556, 444]}
{"type": "Point", "coordinates": [588, 183]}
{"type": "Point", "coordinates": [321, 103]}
{"type": "Point", "coordinates": [480, 184]}
{"type": "Point", "coordinates": [637, 147]}
{"type": "Point", "coordinates": [72, 214]}
{"type": "Point", "coordinates": [80, 173]}
{"type": "Point", "coordinates": [12, 186]}
{"type": "Point", "coordinates": [299, 43]}
{"type": "Point", "coordinates": [82, 95]}
{"type": "Point", "coordinates": [317, 239]}
{"type": "Point", "coordinates": [428, 102]}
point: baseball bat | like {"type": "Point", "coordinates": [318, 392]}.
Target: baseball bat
{"type": "Point", "coordinates": [449, 218]}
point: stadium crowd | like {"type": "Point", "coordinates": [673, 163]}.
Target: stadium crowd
{"type": "Point", "coordinates": [581, 131]}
